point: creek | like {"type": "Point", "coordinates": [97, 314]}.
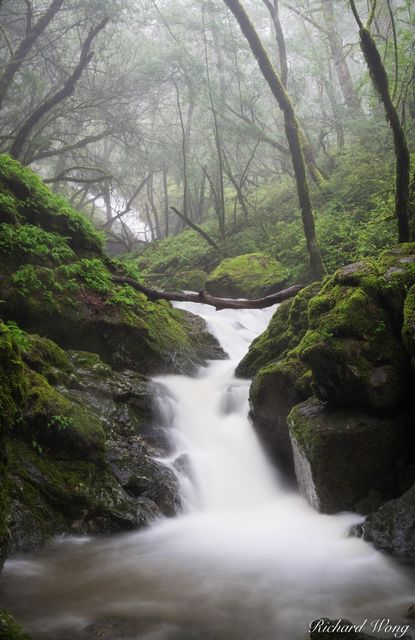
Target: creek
{"type": "Point", "coordinates": [247, 559]}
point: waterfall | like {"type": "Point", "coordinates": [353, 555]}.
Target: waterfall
{"type": "Point", "coordinates": [247, 559]}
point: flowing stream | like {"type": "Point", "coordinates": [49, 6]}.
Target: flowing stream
{"type": "Point", "coordinates": [248, 559]}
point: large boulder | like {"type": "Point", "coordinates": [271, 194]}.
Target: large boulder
{"type": "Point", "coordinates": [345, 459]}
{"type": "Point", "coordinates": [348, 343]}
{"type": "Point", "coordinates": [248, 276]}
{"type": "Point", "coordinates": [280, 378]}
{"type": "Point", "coordinates": [353, 346]}
{"type": "Point", "coordinates": [392, 527]}
{"type": "Point", "coordinates": [81, 458]}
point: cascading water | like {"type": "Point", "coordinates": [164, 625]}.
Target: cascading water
{"type": "Point", "coordinates": [247, 559]}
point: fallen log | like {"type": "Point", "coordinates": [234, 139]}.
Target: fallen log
{"type": "Point", "coordinates": [202, 297]}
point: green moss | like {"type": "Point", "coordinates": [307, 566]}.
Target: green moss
{"type": "Point", "coordinates": [288, 325]}
{"type": "Point", "coordinates": [12, 384]}
{"type": "Point", "coordinates": [91, 272]}
{"type": "Point", "coordinates": [27, 243]}
{"type": "Point", "coordinates": [189, 280]}
{"type": "Point", "coordinates": [72, 495]}
{"type": "Point", "coordinates": [9, 211]}
{"type": "Point", "coordinates": [9, 629]}
{"type": "Point", "coordinates": [54, 423]}
{"type": "Point", "coordinates": [46, 357]}
{"type": "Point", "coordinates": [13, 390]}
{"type": "Point", "coordinates": [37, 205]}
{"type": "Point", "coordinates": [247, 275]}
{"type": "Point", "coordinates": [271, 344]}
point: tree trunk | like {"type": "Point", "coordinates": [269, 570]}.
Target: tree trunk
{"type": "Point", "coordinates": [291, 130]}
{"type": "Point", "coordinates": [205, 298]}
{"type": "Point", "coordinates": [309, 155]}
{"type": "Point", "coordinates": [344, 76]}
{"type": "Point", "coordinates": [166, 202]}
{"type": "Point", "coordinates": [402, 158]}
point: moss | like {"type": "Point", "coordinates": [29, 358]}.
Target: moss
{"type": "Point", "coordinates": [37, 205]}
{"type": "Point", "coordinates": [9, 629]}
{"type": "Point", "coordinates": [52, 423]}
{"type": "Point", "coordinates": [288, 325]}
{"type": "Point", "coordinates": [269, 346]}
{"type": "Point", "coordinates": [189, 280]}
{"type": "Point", "coordinates": [13, 390]}
{"type": "Point", "coordinates": [361, 449]}
{"type": "Point", "coordinates": [177, 253]}
{"type": "Point", "coordinates": [12, 384]}
{"type": "Point", "coordinates": [250, 275]}
{"type": "Point", "coordinates": [28, 243]}
{"type": "Point", "coordinates": [47, 358]}
{"type": "Point", "coordinates": [9, 211]}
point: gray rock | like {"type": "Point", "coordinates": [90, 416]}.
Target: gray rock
{"type": "Point", "coordinates": [343, 456]}
{"type": "Point", "coordinates": [392, 527]}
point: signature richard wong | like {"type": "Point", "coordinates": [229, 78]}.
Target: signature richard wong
{"type": "Point", "coordinates": [380, 625]}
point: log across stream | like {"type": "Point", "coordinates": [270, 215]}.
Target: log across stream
{"type": "Point", "coordinates": [248, 559]}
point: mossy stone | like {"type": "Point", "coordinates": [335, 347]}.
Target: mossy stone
{"type": "Point", "coordinates": [37, 205]}
{"type": "Point", "coordinates": [251, 275]}
{"type": "Point", "coordinates": [342, 455]}
{"type": "Point", "coordinates": [392, 527]}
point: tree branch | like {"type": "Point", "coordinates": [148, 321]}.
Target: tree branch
{"type": "Point", "coordinates": [24, 47]}
{"type": "Point", "coordinates": [66, 91]}
{"type": "Point", "coordinates": [195, 227]}
{"type": "Point", "coordinates": [205, 298]}
{"type": "Point", "coordinates": [70, 147]}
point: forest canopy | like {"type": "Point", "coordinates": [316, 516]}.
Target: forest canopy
{"type": "Point", "coordinates": [155, 120]}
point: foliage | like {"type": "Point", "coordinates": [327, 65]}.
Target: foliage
{"type": "Point", "coordinates": [33, 243]}
{"type": "Point", "coordinates": [36, 204]}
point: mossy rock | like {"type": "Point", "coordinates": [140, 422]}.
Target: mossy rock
{"type": "Point", "coordinates": [274, 391]}
{"type": "Point", "coordinates": [9, 629]}
{"type": "Point", "coordinates": [353, 346]}
{"type": "Point", "coordinates": [248, 276]}
{"type": "Point", "coordinates": [79, 308]}
{"type": "Point", "coordinates": [13, 391]}
{"type": "Point", "coordinates": [27, 199]}
{"type": "Point", "coordinates": [52, 496]}
{"type": "Point", "coordinates": [288, 325]}
{"type": "Point", "coordinates": [280, 380]}
{"type": "Point", "coordinates": [81, 459]}
{"type": "Point", "coordinates": [392, 527]}
{"type": "Point", "coordinates": [343, 456]}
{"type": "Point", "coordinates": [55, 424]}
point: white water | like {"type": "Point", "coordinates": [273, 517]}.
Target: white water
{"type": "Point", "coordinates": [247, 560]}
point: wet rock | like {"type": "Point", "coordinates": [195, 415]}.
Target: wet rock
{"type": "Point", "coordinates": [392, 527]}
{"type": "Point", "coordinates": [274, 392]}
{"type": "Point", "coordinates": [281, 380]}
{"type": "Point", "coordinates": [410, 612]}
{"type": "Point", "coordinates": [82, 459]}
{"type": "Point", "coordinates": [341, 456]}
